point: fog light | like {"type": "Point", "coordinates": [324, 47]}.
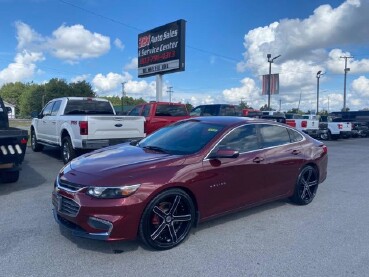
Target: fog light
{"type": "Point", "coordinates": [100, 224]}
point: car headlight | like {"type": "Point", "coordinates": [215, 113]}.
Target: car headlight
{"type": "Point", "coordinates": [112, 192]}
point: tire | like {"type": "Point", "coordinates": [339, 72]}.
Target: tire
{"type": "Point", "coordinates": [325, 136]}
{"type": "Point", "coordinates": [167, 219]}
{"type": "Point", "coordinates": [306, 186]}
{"type": "Point", "coordinates": [68, 153]}
{"type": "Point", "coordinates": [36, 147]}
{"type": "Point", "coordinates": [10, 176]}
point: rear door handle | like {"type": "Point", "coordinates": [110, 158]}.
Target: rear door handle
{"type": "Point", "coordinates": [258, 160]}
{"type": "Point", "coordinates": [296, 152]}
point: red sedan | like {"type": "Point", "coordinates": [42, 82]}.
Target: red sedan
{"type": "Point", "coordinates": [183, 174]}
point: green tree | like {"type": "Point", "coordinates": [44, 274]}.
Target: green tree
{"type": "Point", "coordinates": [31, 100]}
{"type": "Point", "coordinates": [265, 108]}
{"type": "Point", "coordinates": [81, 89]}
{"type": "Point", "coordinates": [11, 93]}
{"type": "Point", "coordinates": [189, 107]}
{"type": "Point", "coordinates": [295, 111]}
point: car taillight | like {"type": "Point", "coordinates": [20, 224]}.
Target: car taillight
{"type": "Point", "coordinates": [83, 127]}
{"type": "Point", "coordinates": [304, 124]}
{"type": "Point", "coordinates": [292, 123]}
{"type": "Point", "coordinates": [23, 141]}
{"type": "Point", "coordinates": [340, 126]}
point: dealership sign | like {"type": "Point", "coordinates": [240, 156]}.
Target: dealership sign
{"type": "Point", "coordinates": [162, 50]}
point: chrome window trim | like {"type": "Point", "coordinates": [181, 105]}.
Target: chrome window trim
{"type": "Point", "coordinates": [258, 123]}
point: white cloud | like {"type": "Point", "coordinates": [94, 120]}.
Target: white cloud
{"type": "Point", "coordinates": [111, 83]}
{"type": "Point", "coordinates": [119, 44]}
{"type": "Point", "coordinates": [133, 65]}
{"type": "Point", "coordinates": [22, 68]}
{"type": "Point", "coordinates": [75, 43]}
{"type": "Point", "coordinates": [307, 46]}
{"type": "Point", "coordinates": [80, 78]}
{"type": "Point", "coordinates": [27, 37]}
{"type": "Point", "coordinates": [361, 87]}
{"type": "Point", "coordinates": [69, 43]}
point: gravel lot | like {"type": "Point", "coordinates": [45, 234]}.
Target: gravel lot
{"type": "Point", "coordinates": [329, 237]}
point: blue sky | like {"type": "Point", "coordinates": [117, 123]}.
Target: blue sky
{"type": "Point", "coordinates": [226, 47]}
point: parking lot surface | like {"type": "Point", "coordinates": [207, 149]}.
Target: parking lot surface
{"type": "Point", "coordinates": [329, 237]}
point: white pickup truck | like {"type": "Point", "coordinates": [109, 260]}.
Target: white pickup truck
{"type": "Point", "coordinates": [334, 128]}
{"type": "Point", "coordinates": [78, 123]}
{"type": "Point", "coordinates": [306, 123]}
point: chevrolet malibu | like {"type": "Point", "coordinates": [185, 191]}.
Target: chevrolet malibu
{"type": "Point", "coordinates": [183, 174]}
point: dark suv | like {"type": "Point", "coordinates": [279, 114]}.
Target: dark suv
{"type": "Point", "coordinates": [216, 109]}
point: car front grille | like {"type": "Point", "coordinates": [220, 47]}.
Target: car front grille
{"type": "Point", "coordinates": [65, 205]}
{"type": "Point", "coordinates": [69, 186]}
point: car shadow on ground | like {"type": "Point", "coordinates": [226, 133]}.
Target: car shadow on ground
{"type": "Point", "coordinates": [28, 179]}
{"type": "Point", "coordinates": [119, 247]}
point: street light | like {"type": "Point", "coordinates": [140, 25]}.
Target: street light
{"type": "Point", "coordinates": [347, 69]}
{"type": "Point", "coordinates": [270, 61]}
{"type": "Point", "coordinates": [318, 75]}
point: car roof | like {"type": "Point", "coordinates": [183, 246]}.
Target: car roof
{"type": "Point", "coordinates": [230, 120]}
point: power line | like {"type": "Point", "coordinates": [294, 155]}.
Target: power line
{"type": "Point", "coordinates": [140, 30]}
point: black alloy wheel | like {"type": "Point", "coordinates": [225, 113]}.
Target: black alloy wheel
{"type": "Point", "coordinates": [36, 147]}
{"type": "Point", "coordinates": [306, 186]}
{"type": "Point", "coordinates": [167, 219]}
{"type": "Point", "coordinates": [68, 153]}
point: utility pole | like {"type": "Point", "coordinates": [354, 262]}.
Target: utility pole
{"type": "Point", "coordinates": [280, 104]}
{"type": "Point", "coordinates": [270, 61]}
{"type": "Point", "coordinates": [170, 91]}
{"type": "Point", "coordinates": [344, 85]}
{"type": "Point", "coordinates": [123, 95]}
{"type": "Point", "coordinates": [318, 75]}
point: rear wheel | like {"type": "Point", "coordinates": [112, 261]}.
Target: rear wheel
{"type": "Point", "coordinates": [306, 186]}
{"type": "Point", "coordinates": [36, 147]}
{"type": "Point", "coordinates": [67, 151]}
{"type": "Point", "coordinates": [10, 176]}
{"type": "Point", "coordinates": [167, 219]}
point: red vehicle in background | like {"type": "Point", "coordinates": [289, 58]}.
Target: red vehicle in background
{"type": "Point", "coordinates": [160, 114]}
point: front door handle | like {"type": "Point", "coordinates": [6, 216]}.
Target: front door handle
{"type": "Point", "coordinates": [296, 152]}
{"type": "Point", "coordinates": [258, 160]}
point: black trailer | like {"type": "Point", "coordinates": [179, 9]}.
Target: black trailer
{"type": "Point", "coordinates": [13, 144]}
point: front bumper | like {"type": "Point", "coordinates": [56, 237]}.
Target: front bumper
{"type": "Point", "coordinates": [100, 219]}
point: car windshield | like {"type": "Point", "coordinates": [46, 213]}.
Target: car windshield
{"type": "Point", "coordinates": [182, 138]}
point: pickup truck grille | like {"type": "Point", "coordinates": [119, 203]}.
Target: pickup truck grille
{"type": "Point", "coordinates": [69, 186]}
{"type": "Point", "coordinates": [65, 205]}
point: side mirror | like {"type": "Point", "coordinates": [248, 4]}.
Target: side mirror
{"type": "Point", "coordinates": [224, 153]}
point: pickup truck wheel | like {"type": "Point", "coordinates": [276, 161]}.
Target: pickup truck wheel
{"type": "Point", "coordinates": [36, 147]}
{"type": "Point", "coordinates": [68, 153]}
{"type": "Point", "coordinates": [306, 186]}
{"type": "Point", "coordinates": [10, 177]}
{"type": "Point", "coordinates": [325, 136]}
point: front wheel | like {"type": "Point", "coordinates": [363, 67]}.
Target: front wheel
{"type": "Point", "coordinates": [167, 219]}
{"type": "Point", "coordinates": [306, 186]}
{"type": "Point", "coordinates": [36, 147]}
{"type": "Point", "coordinates": [68, 153]}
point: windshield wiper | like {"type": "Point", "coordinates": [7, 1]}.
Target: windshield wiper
{"type": "Point", "coordinates": [156, 148]}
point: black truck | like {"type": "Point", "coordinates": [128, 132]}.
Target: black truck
{"type": "Point", "coordinates": [13, 144]}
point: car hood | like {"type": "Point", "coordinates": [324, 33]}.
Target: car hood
{"type": "Point", "coordinates": [113, 158]}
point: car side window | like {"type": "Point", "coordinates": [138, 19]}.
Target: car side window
{"type": "Point", "coordinates": [273, 135]}
{"type": "Point", "coordinates": [56, 107]}
{"type": "Point", "coordinates": [47, 110]}
{"type": "Point", "coordinates": [196, 112]}
{"type": "Point", "coordinates": [135, 111]}
{"type": "Point", "coordinates": [242, 139]}
{"type": "Point", "coordinates": [295, 136]}
{"type": "Point", "coordinates": [146, 110]}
